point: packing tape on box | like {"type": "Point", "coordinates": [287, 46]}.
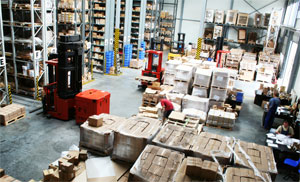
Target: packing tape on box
{"type": "Point", "coordinates": [256, 171]}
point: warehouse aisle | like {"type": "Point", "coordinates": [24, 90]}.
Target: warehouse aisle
{"type": "Point", "coordinates": [29, 145]}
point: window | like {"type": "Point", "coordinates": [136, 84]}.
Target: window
{"type": "Point", "coordinates": [289, 63]}
{"type": "Point", "coordinates": [291, 13]}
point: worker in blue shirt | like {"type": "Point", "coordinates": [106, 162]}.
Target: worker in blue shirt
{"type": "Point", "coordinates": [273, 104]}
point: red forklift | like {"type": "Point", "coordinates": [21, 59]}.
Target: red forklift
{"type": "Point", "coordinates": [153, 71]}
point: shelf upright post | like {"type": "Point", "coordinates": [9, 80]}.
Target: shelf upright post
{"type": "Point", "coordinates": [12, 31]}
{"type": "Point", "coordinates": [34, 60]}
{"type": "Point", "coordinates": [142, 25]}
{"type": "Point", "coordinates": [127, 26]}
{"type": "Point", "coordinates": [117, 37]}
{"type": "Point", "coordinates": [82, 29]}
{"type": "Point", "coordinates": [3, 70]}
{"type": "Point", "coordinates": [106, 34]}
{"type": "Point", "coordinates": [44, 39]}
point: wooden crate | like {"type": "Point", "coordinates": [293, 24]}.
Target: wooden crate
{"type": "Point", "coordinates": [209, 16]}
{"type": "Point", "coordinates": [208, 33]}
{"type": "Point", "coordinates": [242, 35]}
{"type": "Point", "coordinates": [231, 17]}
{"type": "Point", "coordinates": [218, 31]}
{"type": "Point", "coordinates": [219, 16]}
{"type": "Point", "coordinates": [246, 75]}
{"type": "Point", "coordinates": [258, 19]}
{"type": "Point", "coordinates": [243, 19]}
{"type": "Point", "coordinates": [252, 37]}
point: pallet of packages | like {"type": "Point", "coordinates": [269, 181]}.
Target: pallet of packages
{"type": "Point", "coordinates": [11, 113]}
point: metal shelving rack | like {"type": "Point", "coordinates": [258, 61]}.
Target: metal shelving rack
{"type": "Point", "coordinates": [3, 71]}
{"type": "Point", "coordinates": [102, 28]}
{"type": "Point", "coordinates": [127, 27]}
{"type": "Point", "coordinates": [173, 4]}
{"type": "Point", "coordinates": [39, 27]}
{"type": "Point", "coordinates": [137, 26]}
{"type": "Point", "coordinates": [152, 16]}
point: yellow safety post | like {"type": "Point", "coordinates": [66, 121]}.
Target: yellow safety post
{"type": "Point", "coordinates": [199, 44]}
{"type": "Point", "coordinates": [9, 94]}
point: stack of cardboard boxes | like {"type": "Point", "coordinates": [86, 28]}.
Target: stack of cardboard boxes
{"type": "Point", "coordinates": [233, 58]}
{"type": "Point", "coordinates": [268, 64]}
{"type": "Point", "coordinates": [170, 70]}
{"type": "Point", "coordinates": [136, 63]}
{"type": "Point", "coordinates": [150, 98]}
{"type": "Point", "coordinates": [11, 113]}
{"type": "Point", "coordinates": [221, 118]}
{"type": "Point", "coordinates": [183, 79]}
{"type": "Point", "coordinates": [219, 85]}
{"type": "Point", "coordinates": [202, 82]}
{"type": "Point", "coordinates": [248, 67]}
{"type": "Point", "coordinates": [234, 174]}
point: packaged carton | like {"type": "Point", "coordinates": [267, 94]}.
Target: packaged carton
{"type": "Point", "coordinates": [184, 73]}
{"type": "Point", "coordinates": [176, 138]}
{"type": "Point", "coordinates": [195, 102]}
{"type": "Point", "coordinates": [100, 139]}
{"type": "Point", "coordinates": [206, 145]}
{"type": "Point", "coordinates": [169, 79]}
{"type": "Point", "coordinates": [95, 121]}
{"type": "Point", "coordinates": [261, 156]}
{"type": "Point", "coordinates": [221, 118]}
{"type": "Point", "coordinates": [200, 91]}
{"type": "Point", "coordinates": [234, 174]}
{"type": "Point", "coordinates": [182, 87]}
{"type": "Point", "coordinates": [171, 66]}
{"type": "Point", "coordinates": [132, 137]}
{"type": "Point", "coordinates": [218, 94]}
{"type": "Point", "coordinates": [195, 113]}
{"type": "Point", "coordinates": [175, 97]}
{"type": "Point", "coordinates": [156, 164]}
{"type": "Point", "coordinates": [220, 78]}
{"type": "Point", "coordinates": [203, 77]}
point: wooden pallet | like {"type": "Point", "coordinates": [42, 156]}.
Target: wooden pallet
{"type": "Point", "coordinates": [6, 123]}
{"type": "Point", "coordinates": [136, 68]}
{"type": "Point", "coordinates": [219, 127]}
{"type": "Point", "coordinates": [244, 80]}
{"type": "Point", "coordinates": [93, 151]}
{"type": "Point", "coordinates": [262, 81]}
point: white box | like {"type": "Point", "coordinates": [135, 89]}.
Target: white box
{"type": "Point", "coordinates": [195, 102]}
{"type": "Point", "coordinates": [184, 73]}
{"type": "Point", "coordinates": [218, 94]}
{"type": "Point", "coordinates": [203, 77]}
{"type": "Point", "coordinates": [200, 91]}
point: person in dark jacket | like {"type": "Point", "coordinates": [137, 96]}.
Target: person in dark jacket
{"type": "Point", "coordinates": [273, 105]}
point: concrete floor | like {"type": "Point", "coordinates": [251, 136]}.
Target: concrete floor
{"type": "Point", "coordinates": [29, 145]}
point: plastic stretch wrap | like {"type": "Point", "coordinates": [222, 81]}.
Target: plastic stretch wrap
{"type": "Point", "coordinates": [210, 64]}
{"type": "Point", "coordinates": [100, 138]}
{"type": "Point", "coordinates": [184, 73]}
{"type": "Point", "coordinates": [195, 113]}
{"type": "Point", "coordinates": [234, 174]}
{"type": "Point", "coordinates": [195, 102]}
{"type": "Point", "coordinates": [218, 94]}
{"type": "Point", "coordinates": [171, 66]}
{"type": "Point", "coordinates": [217, 103]}
{"type": "Point", "coordinates": [156, 164]}
{"type": "Point", "coordinates": [174, 97]}
{"type": "Point", "coordinates": [207, 142]}
{"type": "Point", "coordinates": [248, 65]}
{"type": "Point", "coordinates": [220, 78]}
{"type": "Point", "coordinates": [175, 137]}
{"type": "Point", "coordinates": [221, 118]}
{"type": "Point", "coordinates": [200, 91]}
{"type": "Point", "coordinates": [251, 154]}
{"type": "Point", "coordinates": [203, 77]}
{"type": "Point", "coordinates": [132, 137]}
{"type": "Point", "coordinates": [182, 87]}
{"type": "Point", "coordinates": [169, 79]}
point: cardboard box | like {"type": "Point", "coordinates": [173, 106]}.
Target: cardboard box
{"type": "Point", "coordinates": [66, 167]}
{"type": "Point", "coordinates": [156, 164]}
{"type": "Point", "coordinates": [261, 156]}
{"type": "Point", "coordinates": [182, 87]}
{"type": "Point", "coordinates": [95, 121]}
{"type": "Point", "coordinates": [11, 111]}
{"type": "Point", "coordinates": [209, 16]}
{"type": "Point", "coordinates": [195, 114]}
{"type": "Point", "coordinates": [174, 97]}
{"type": "Point", "coordinates": [203, 170]}
{"type": "Point", "coordinates": [203, 77]}
{"type": "Point", "coordinates": [221, 118]}
{"type": "Point", "coordinates": [64, 176]}
{"type": "Point", "coordinates": [231, 17]}
{"type": "Point", "coordinates": [100, 139]}
{"type": "Point", "coordinates": [195, 102]}
{"type": "Point", "coordinates": [47, 174]}
{"type": "Point", "coordinates": [132, 137]}
{"type": "Point", "coordinates": [177, 116]}
{"type": "Point", "coordinates": [171, 66]}
{"type": "Point", "coordinates": [220, 78]}
{"type": "Point", "coordinates": [83, 155]}
{"type": "Point", "coordinates": [218, 94]}
{"type": "Point", "coordinates": [219, 16]}
{"type": "Point", "coordinates": [184, 73]}
{"type": "Point", "coordinates": [2, 172]}
{"type": "Point", "coordinates": [206, 142]}
{"type": "Point", "coordinates": [169, 79]}
{"type": "Point", "coordinates": [234, 174]}
{"type": "Point", "coordinates": [135, 63]}
{"type": "Point", "coordinates": [176, 138]}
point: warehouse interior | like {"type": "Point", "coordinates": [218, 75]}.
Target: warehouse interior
{"type": "Point", "coordinates": [149, 90]}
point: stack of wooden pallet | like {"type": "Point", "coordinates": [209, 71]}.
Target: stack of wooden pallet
{"type": "Point", "coordinates": [233, 59]}
{"type": "Point", "coordinates": [247, 67]}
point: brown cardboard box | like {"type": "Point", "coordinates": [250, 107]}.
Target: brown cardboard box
{"type": "Point", "coordinates": [156, 164]}
{"type": "Point", "coordinates": [7, 178]}
{"type": "Point", "coordinates": [234, 174]}
{"type": "Point", "coordinates": [66, 176]}
{"type": "Point", "coordinates": [261, 156]}
{"type": "Point", "coordinates": [95, 120]}
{"type": "Point", "coordinates": [10, 112]}
{"type": "Point", "coordinates": [47, 174]}
{"type": "Point", "coordinates": [203, 169]}
{"type": "Point", "coordinates": [206, 142]}
{"type": "Point", "coordinates": [177, 116]}
{"type": "Point", "coordinates": [2, 172]}
{"type": "Point", "coordinates": [83, 155]}
{"type": "Point", "coordinates": [100, 139]}
{"type": "Point", "coordinates": [176, 137]}
{"type": "Point", "coordinates": [67, 167]}
{"type": "Point", "coordinates": [132, 137]}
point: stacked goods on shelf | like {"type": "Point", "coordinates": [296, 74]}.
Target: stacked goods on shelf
{"type": "Point", "coordinates": [175, 137]}
{"type": "Point", "coordinates": [183, 79]}
{"type": "Point", "coordinates": [206, 50]}
{"type": "Point", "coordinates": [156, 164]}
{"type": "Point", "coordinates": [132, 137]}
{"type": "Point", "coordinates": [97, 133]}
{"type": "Point", "coordinates": [219, 16]}
{"type": "Point", "coordinates": [197, 169]}
{"type": "Point", "coordinates": [135, 27]}
{"type": "Point", "coordinates": [205, 143]}
{"type": "Point", "coordinates": [170, 71]}
{"type": "Point", "coordinates": [231, 17]}
{"type": "Point", "coordinates": [98, 29]}
{"type": "Point", "coordinates": [248, 67]}
{"type": "Point", "coordinates": [218, 32]}
{"type": "Point", "coordinates": [136, 63]}
{"type": "Point", "coordinates": [219, 85]}
{"type": "Point", "coordinates": [233, 58]}
{"type": "Point", "coordinates": [11, 113]}
{"type": "Point", "coordinates": [221, 118]}
{"type": "Point", "coordinates": [268, 65]}
{"type": "Point", "coordinates": [202, 82]}
{"type": "Point", "coordinates": [249, 154]}
{"type": "Point", "coordinates": [240, 174]}
{"type": "Point", "coordinates": [242, 19]}
{"type": "Point", "coordinates": [209, 16]}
